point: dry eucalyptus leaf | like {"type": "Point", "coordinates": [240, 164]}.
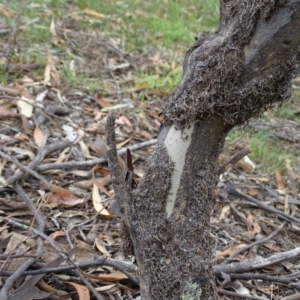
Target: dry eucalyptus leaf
{"type": "Point", "coordinates": [82, 290]}
{"type": "Point", "coordinates": [113, 277]}
{"type": "Point", "coordinates": [25, 107]}
{"type": "Point", "coordinates": [230, 250]}
{"type": "Point", "coordinates": [51, 74]}
{"type": "Point", "coordinates": [39, 137]}
{"type": "Point", "coordinates": [97, 202]}
{"type": "Point", "coordinates": [102, 247]}
{"type": "Point", "coordinates": [63, 196]}
{"type": "Point", "coordinates": [99, 147]}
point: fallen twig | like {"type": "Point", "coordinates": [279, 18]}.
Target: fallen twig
{"type": "Point", "coordinates": [62, 253]}
{"type": "Point", "coordinates": [21, 292]}
{"type": "Point", "coordinates": [100, 261]}
{"type": "Point", "coordinates": [295, 296]}
{"type": "Point", "coordinates": [234, 294]}
{"type": "Point", "coordinates": [42, 153]}
{"type": "Point", "coordinates": [40, 246]}
{"type": "Point", "coordinates": [259, 242]}
{"type": "Point", "coordinates": [5, 256]}
{"type": "Point", "coordinates": [21, 68]}
{"type": "Point", "coordinates": [231, 190]}
{"type": "Point", "coordinates": [25, 123]}
{"type": "Point", "coordinates": [91, 163]}
{"type": "Point", "coordinates": [16, 275]}
{"type": "Point", "coordinates": [27, 170]}
{"type": "Point", "coordinates": [32, 208]}
{"type": "Point", "coordinates": [122, 194]}
{"type": "Point", "coordinates": [278, 279]}
{"type": "Point", "coordinates": [12, 205]}
{"type": "Point", "coordinates": [238, 156]}
{"type": "Point", "coordinates": [255, 263]}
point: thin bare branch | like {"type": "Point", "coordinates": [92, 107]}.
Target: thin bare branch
{"type": "Point", "coordinates": [231, 190]}
{"type": "Point", "coordinates": [259, 242]}
{"type": "Point", "coordinates": [100, 261]}
{"type": "Point", "coordinates": [42, 153]}
{"type": "Point", "coordinates": [121, 193]}
{"type": "Point", "coordinates": [40, 245]}
{"type": "Point", "coordinates": [19, 293]}
{"type": "Point", "coordinates": [234, 294]}
{"type": "Point", "coordinates": [91, 163]}
{"type": "Point", "coordinates": [27, 170]}
{"type": "Point", "coordinates": [255, 263]}
{"type": "Point", "coordinates": [62, 253]}
{"type": "Point", "coordinates": [278, 279]}
{"type": "Point", "coordinates": [232, 161]}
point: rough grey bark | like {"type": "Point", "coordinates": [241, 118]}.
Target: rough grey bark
{"type": "Point", "coordinates": [229, 77]}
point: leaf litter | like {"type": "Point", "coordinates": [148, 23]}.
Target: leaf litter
{"type": "Point", "coordinates": [47, 120]}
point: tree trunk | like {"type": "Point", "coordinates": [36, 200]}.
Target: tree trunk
{"type": "Point", "coordinates": [229, 77]}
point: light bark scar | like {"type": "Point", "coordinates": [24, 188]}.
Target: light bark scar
{"type": "Point", "coordinates": [177, 143]}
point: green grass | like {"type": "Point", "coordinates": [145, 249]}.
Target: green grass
{"type": "Point", "coordinates": [168, 23]}
{"type": "Point", "coordinates": [268, 153]}
{"type": "Point", "coordinates": [142, 24]}
{"type": "Point", "coordinates": [165, 82]}
{"type": "Point", "coordinates": [291, 109]}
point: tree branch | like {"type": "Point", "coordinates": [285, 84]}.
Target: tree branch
{"type": "Point", "coordinates": [42, 153]}
{"type": "Point", "coordinates": [255, 263]}
{"type": "Point", "coordinates": [121, 192]}
{"type": "Point", "coordinates": [92, 163]}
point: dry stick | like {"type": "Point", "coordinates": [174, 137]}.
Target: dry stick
{"type": "Point", "coordinates": [131, 268]}
{"type": "Point", "coordinates": [218, 269]}
{"type": "Point", "coordinates": [101, 261]}
{"type": "Point", "coordinates": [108, 262]}
{"type": "Point", "coordinates": [91, 163]}
{"type": "Point", "coordinates": [228, 268]}
{"type": "Point", "coordinates": [92, 263]}
{"type": "Point", "coordinates": [27, 170]}
{"type": "Point", "coordinates": [274, 233]}
{"type": "Point", "coordinates": [31, 281]}
{"type": "Point", "coordinates": [225, 292]}
{"type": "Point", "coordinates": [5, 256]}
{"type": "Point", "coordinates": [23, 119]}
{"type": "Point", "coordinates": [238, 156]}
{"type": "Point", "coordinates": [61, 252]}
{"type": "Point", "coordinates": [122, 194]}
{"type": "Point", "coordinates": [19, 68]}
{"type": "Point", "coordinates": [12, 205]}
{"type": "Point", "coordinates": [42, 153]}
{"type": "Point", "coordinates": [68, 237]}
{"type": "Point", "coordinates": [231, 190]}
{"type": "Point", "coordinates": [32, 208]}
{"type": "Point", "coordinates": [295, 296]}
{"type": "Point", "coordinates": [255, 263]}
{"type": "Point", "coordinates": [40, 246]}
{"type": "Point", "coordinates": [278, 279]}
{"type": "Point", "coordinates": [122, 268]}
{"type": "Point", "coordinates": [18, 273]}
